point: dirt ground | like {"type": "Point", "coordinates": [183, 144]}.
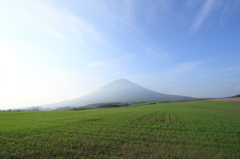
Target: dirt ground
{"type": "Point", "coordinates": [227, 100]}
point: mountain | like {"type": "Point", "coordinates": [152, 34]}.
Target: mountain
{"type": "Point", "coordinates": [125, 91]}
{"type": "Point", "coordinates": [121, 90]}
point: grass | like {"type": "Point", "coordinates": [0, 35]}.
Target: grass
{"type": "Point", "coordinates": [200, 129]}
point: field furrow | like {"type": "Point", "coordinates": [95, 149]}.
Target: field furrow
{"type": "Point", "coordinates": [170, 130]}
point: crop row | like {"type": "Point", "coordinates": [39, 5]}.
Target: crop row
{"type": "Point", "coordinates": [169, 130]}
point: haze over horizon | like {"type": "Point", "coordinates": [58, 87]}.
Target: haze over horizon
{"type": "Point", "coordinates": [51, 51]}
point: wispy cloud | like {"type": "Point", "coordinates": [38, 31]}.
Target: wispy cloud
{"type": "Point", "coordinates": [117, 73]}
{"type": "Point", "coordinates": [55, 79]}
{"type": "Point", "coordinates": [157, 9]}
{"type": "Point", "coordinates": [233, 68]}
{"type": "Point", "coordinates": [63, 24]}
{"type": "Point", "coordinates": [128, 56]}
{"type": "Point", "coordinates": [232, 80]}
{"type": "Point", "coordinates": [126, 12]}
{"type": "Point", "coordinates": [237, 88]}
{"type": "Point", "coordinates": [50, 18]}
{"type": "Point", "coordinates": [100, 63]}
{"type": "Point", "coordinates": [202, 15]}
{"type": "Point", "coordinates": [185, 67]}
{"type": "Point", "coordinates": [191, 3]}
{"type": "Point", "coordinates": [111, 62]}
{"type": "Point", "coordinates": [155, 52]}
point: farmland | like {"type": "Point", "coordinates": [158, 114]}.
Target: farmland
{"type": "Point", "coordinates": [199, 129]}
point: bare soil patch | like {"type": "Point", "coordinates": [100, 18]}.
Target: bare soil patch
{"type": "Point", "coordinates": [226, 100]}
{"type": "Point", "coordinates": [238, 111]}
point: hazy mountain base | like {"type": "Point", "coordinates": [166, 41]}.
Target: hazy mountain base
{"type": "Point", "coordinates": [110, 105]}
{"type": "Point", "coordinates": [122, 91]}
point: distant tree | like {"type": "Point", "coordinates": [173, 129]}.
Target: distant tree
{"type": "Point", "coordinates": [236, 96]}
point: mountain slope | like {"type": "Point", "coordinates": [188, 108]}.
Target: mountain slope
{"type": "Point", "coordinates": [120, 90]}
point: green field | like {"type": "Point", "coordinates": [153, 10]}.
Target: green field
{"type": "Point", "coordinates": [200, 129]}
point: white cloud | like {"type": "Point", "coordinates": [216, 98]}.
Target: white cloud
{"type": "Point", "coordinates": [237, 88]}
{"type": "Point", "coordinates": [203, 14]}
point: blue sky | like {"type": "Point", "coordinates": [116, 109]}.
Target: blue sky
{"type": "Point", "coordinates": [53, 50]}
